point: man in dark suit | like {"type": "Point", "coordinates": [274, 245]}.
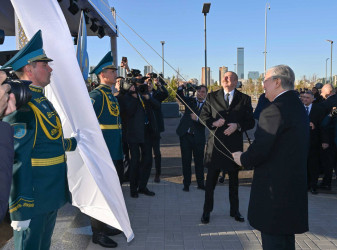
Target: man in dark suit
{"type": "Point", "coordinates": [329, 151]}
{"type": "Point", "coordinates": [141, 125]}
{"type": "Point", "coordinates": [192, 136]}
{"type": "Point", "coordinates": [316, 115]}
{"type": "Point", "coordinates": [160, 94]}
{"type": "Point", "coordinates": [7, 106]}
{"type": "Point", "coordinates": [278, 204]}
{"type": "Point", "coordinates": [227, 113]}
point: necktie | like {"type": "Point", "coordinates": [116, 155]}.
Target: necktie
{"type": "Point", "coordinates": [307, 108]}
{"type": "Point", "coordinates": [227, 99]}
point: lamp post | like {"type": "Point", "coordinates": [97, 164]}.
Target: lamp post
{"type": "Point", "coordinates": [326, 69]}
{"type": "Point", "coordinates": [331, 42]}
{"type": "Point", "coordinates": [235, 67]}
{"type": "Point", "coordinates": [205, 10]}
{"type": "Point", "coordinates": [265, 39]}
{"type": "Point", "coordinates": [162, 56]}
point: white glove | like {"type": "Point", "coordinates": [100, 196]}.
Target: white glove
{"type": "Point", "coordinates": [20, 225]}
{"type": "Point", "coordinates": [76, 135]}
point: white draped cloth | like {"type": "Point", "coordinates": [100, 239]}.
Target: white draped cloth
{"type": "Point", "coordinates": [92, 177]}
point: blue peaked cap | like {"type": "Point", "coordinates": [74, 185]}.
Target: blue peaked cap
{"type": "Point", "coordinates": [105, 63]}
{"type": "Point", "coordinates": [31, 52]}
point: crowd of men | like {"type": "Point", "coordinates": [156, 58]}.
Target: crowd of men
{"type": "Point", "coordinates": [295, 141]}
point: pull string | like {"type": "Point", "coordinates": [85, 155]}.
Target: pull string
{"type": "Point", "coordinates": [202, 122]}
{"type": "Point", "coordinates": [163, 60]}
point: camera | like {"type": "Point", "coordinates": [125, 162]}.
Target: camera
{"type": "Point", "coordinates": [153, 75]}
{"type": "Point", "coordinates": [142, 89]}
{"type": "Point", "coordinates": [19, 88]}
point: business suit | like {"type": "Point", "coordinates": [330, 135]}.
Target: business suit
{"type": "Point", "coordinates": [6, 165]}
{"type": "Point", "coordinates": [160, 94]}
{"type": "Point", "coordinates": [192, 139]}
{"type": "Point", "coordinates": [141, 125]}
{"type": "Point", "coordinates": [316, 116]}
{"type": "Point", "coordinates": [329, 154]}
{"type": "Point", "coordinates": [278, 204]}
{"type": "Point", "coordinates": [239, 111]}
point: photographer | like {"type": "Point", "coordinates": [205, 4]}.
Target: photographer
{"type": "Point", "coordinates": [7, 106]}
{"type": "Point", "coordinates": [160, 94]}
{"type": "Point", "coordinates": [139, 106]}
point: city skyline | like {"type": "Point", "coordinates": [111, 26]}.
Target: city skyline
{"type": "Point", "coordinates": [299, 40]}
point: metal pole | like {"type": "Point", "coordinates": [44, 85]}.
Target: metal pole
{"type": "Point", "coordinates": [326, 70]}
{"type": "Point", "coordinates": [265, 40]}
{"type": "Point", "coordinates": [331, 64]}
{"type": "Point", "coordinates": [234, 67]}
{"type": "Point", "coordinates": [162, 43]}
{"type": "Point", "coordinates": [205, 54]}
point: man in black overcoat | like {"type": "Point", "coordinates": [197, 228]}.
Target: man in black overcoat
{"type": "Point", "coordinates": [316, 115]}
{"type": "Point", "coordinates": [227, 113]}
{"type": "Point", "coordinates": [278, 205]}
{"type": "Point", "coordinates": [192, 135]}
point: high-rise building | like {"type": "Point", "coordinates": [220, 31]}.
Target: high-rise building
{"type": "Point", "coordinates": [121, 71]}
{"type": "Point", "coordinates": [203, 76]}
{"type": "Point", "coordinates": [254, 75]}
{"type": "Point", "coordinates": [240, 63]}
{"type": "Point", "coordinates": [147, 69]}
{"type": "Point", "coordinates": [222, 71]}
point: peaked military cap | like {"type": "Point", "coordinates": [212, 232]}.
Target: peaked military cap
{"type": "Point", "coordinates": [31, 52]}
{"type": "Point", "coordinates": [105, 63]}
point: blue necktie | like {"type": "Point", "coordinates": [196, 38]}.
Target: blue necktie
{"type": "Point", "coordinates": [307, 108]}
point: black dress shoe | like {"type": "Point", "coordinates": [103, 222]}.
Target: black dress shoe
{"type": "Point", "coordinates": [111, 231]}
{"type": "Point", "coordinates": [238, 217]}
{"type": "Point", "coordinates": [222, 179]}
{"type": "Point", "coordinates": [313, 191]}
{"type": "Point", "coordinates": [134, 194]}
{"type": "Point", "coordinates": [201, 187]}
{"type": "Point", "coordinates": [186, 188]}
{"type": "Point", "coordinates": [146, 191]}
{"type": "Point", "coordinates": [205, 218]}
{"type": "Point", "coordinates": [103, 240]}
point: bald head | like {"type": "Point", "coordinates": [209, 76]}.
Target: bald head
{"type": "Point", "coordinates": [327, 90]}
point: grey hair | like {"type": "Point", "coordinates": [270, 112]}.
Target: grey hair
{"type": "Point", "coordinates": [286, 74]}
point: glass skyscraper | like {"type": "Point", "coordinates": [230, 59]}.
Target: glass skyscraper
{"type": "Point", "coordinates": [240, 63]}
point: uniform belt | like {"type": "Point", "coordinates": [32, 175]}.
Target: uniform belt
{"type": "Point", "coordinates": [114, 126]}
{"type": "Point", "coordinates": [48, 161]}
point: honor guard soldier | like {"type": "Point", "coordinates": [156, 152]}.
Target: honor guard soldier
{"type": "Point", "coordinates": [40, 185]}
{"type": "Point", "coordinates": [107, 111]}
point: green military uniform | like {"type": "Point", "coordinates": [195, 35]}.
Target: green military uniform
{"type": "Point", "coordinates": [108, 114]}
{"type": "Point", "coordinates": [40, 185]}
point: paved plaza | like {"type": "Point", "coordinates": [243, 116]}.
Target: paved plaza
{"type": "Point", "coordinates": [171, 219]}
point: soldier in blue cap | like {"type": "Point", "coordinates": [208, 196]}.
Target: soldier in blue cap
{"type": "Point", "coordinates": [39, 186]}
{"type": "Point", "coordinates": [107, 111]}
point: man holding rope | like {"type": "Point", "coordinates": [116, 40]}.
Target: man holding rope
{"type": "Point", "coordinates": [227, 113]}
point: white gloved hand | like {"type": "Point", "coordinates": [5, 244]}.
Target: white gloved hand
{"type": "Point", "coordinates": [76, 135]}
{"type": "Point", "coordinates": [20, 225]}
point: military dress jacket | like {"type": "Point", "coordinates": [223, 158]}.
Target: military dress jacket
{"type": "Point", "coordinates": [107, 111]}
{"type": "Point", "coordinates": [40, 171]}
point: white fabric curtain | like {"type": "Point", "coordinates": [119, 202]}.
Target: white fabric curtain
{"type": "Point", "coordinates": [92, 177]}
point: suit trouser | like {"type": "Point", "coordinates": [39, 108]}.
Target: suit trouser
{"type": "Point", "coordinates": [39, 233]}
{"type": "Point", "coordinates": [329, 162]}
{"type": "Point", "coordinates": [120, 169]}
{"type": "Point", "coordinates": [140, 163]}
{"type": "Point", "coordinates": [278, 242]}
{"type": "Point", "coordinates": [188, 146]}
{"type": "Point", "coordinates": [156, 152]}
{"type": "Point", "coordinates": [313, 167]}
{"type": "Point", "coordinates": [211, 181]}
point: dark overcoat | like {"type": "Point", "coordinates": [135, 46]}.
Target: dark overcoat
{"type": "Point", "coordinates": [278, 199]}
{"type": "Point", "coordinates": [240, 111]}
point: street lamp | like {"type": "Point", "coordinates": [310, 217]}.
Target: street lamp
{"type": "Point", "coordinates": [330, 41]}
{"type": "Point", "coordinates": [326, 69]}
{"type": "Point", "coordinates": [265, 39]}
{"type": "Point", "coordinates": [162, 52]}
{"type": "Point", "coordinates": [205, 10]}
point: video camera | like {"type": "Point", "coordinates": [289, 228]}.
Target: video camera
{"type": "Point", "coordinates": [131, 79]}
{"type": "Point", "coordinates": [19, 88]}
